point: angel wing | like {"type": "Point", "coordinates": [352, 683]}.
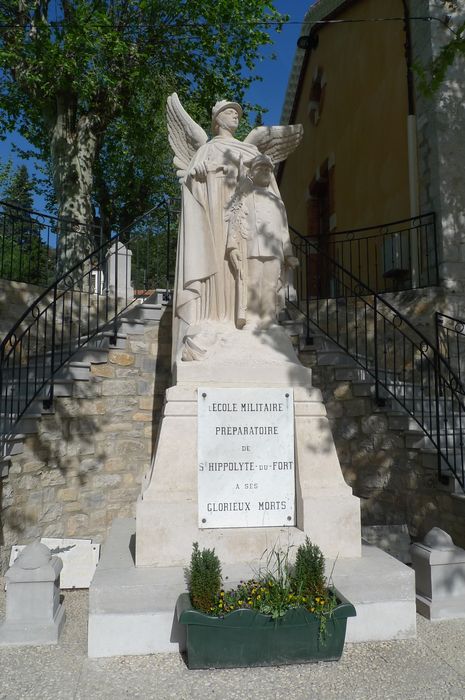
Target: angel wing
{"type": "Point", "coordinates": [184, 134]}
{"type": "Point", "coordinates": [277, 142]}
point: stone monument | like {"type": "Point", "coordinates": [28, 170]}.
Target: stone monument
{"type": "Point", "coordinates": [245, 459]}
{"type": "Point", "coordinates": [257, 450]}
{"type": "Point", "coordinates": [440, 576]}
{"type": "Point", "coordinates": [34, 613]}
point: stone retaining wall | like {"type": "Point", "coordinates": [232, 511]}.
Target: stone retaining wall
{"type": "Point", "coordinates": [396, 483]}
{"type": "Point", "coordinates": [85, 464]}
{"type": "Point", "coordinates": [15, 298]}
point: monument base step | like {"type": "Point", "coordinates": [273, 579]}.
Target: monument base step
{"type": "Point", "coordinates": [33, 633]}
{"type": "Point", "coordinates": [132, 609]}
{"type": "Point", "coordinates": [382, 589]}
{"type": "Point", "coordinates": [445, 609]}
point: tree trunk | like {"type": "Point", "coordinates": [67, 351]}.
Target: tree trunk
{"type": "Point", "coordinates": [73, 150]}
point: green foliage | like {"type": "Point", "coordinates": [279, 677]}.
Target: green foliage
{"type": "Point", "coordinates": [108, 68]}
{"type": "Point", "coordinates": [19, 189]}
{"type": "Point", "coordinates": [309, 569]}
{"type": "Point", "coordinates": [153, 253]}
{"type": "Point", "coordinates": [204, 578]}
{"type": "Point", "coordinates": [5, 175]}
{"type": "Point", "coordinates": [268, 595]}
{"type": "Point", "coordinates": [432, 76]}
{"type": "Point", "coordinates": [311, 583]}
{"type": "Point", "coordinates": [277, 587]}
{"type": "Point", "coordinates": [24, 256]}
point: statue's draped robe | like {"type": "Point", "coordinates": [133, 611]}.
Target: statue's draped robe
{"type": "Point", "coordinates": [205, 284]}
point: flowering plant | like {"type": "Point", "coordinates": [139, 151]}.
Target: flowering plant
{"type": "Point", "coordinates": [278, 587]}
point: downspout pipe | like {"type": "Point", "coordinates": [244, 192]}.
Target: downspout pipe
{"type": "Point", "coordinates": [411, 143]}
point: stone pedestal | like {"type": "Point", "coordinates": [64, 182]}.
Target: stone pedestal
{"type": "Point", "coordinates": [167, 510]}
{"type": "Point", "coordinates": [118, 271]}
{"type": "Point", "coordinates": [34, 614]}
{"type": "Point", "coordinates": [132, 608]}
{"type": "Point", "coordinates": [440, 576]}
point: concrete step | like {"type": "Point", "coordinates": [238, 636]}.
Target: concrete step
{"type": "Point", "coordinates": [293, 326]}
{"type": "Point", "coordinates": [402, 421]}
{"type": "Point", "coordinates": [364, 389]}
{"type": "Point", "coordinates": [134, 321]}
{"type": "Point", "coordinates": [428, 404]}
{"type": "Point", "coordinates": [429, 459]}
{"type": "Point", "coordinates": [406, 422]}
{"type": "Point", "coordinates": [338, 358]}
{"type": "Point", "coordinates": [381, 588]}
{"type": "Point", "coordinates": [5, 463]}
{"type": "Point", "coordinates": [351, 374]}
{"type": "Point", "coordinates": [415, 439]}
{"type": "Point", "coordinates": [144, 312]}
{"type": "Point", "coordinates": [81, 357]}
{"type": "Point", "coordinates": [71, 371]}
{"type": "Point", "coordinates": [27, 424]}
{"type": "Point", "coordinates": [131, 327]}
{"type": "Point", "coordinates": [61, 388]}
{"type": "Point", "coordinates": [116, 341]}
{"type": "Point", "coordinates": [14, 444]}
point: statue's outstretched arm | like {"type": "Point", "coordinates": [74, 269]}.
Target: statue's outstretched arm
{"type": "Point", "coordinates": [185, 135]}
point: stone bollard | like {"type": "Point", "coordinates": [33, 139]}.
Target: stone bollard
{"type": "Point", "coordinates": [439, 576]}
{"type": "Point", "coordinates": [34, 614]}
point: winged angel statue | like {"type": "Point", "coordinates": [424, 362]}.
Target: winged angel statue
{"type": "Point", "coordinates": [220, 204]}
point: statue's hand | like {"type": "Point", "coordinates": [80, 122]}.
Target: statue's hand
{"type": "Point", "coordinates": [235, 258]}
{"type": "Point", "coordinates": [199, 172]}
{"type": "Point", "coordinates": [291, 262]}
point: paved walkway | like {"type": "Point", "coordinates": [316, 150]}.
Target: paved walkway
{"type": "Point", "coordinates": [432, 666]}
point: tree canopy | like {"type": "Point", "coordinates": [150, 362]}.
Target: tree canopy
{"type": "Point", "coordinates": [434, 74]}
{"type": "Point", "coordinates": [24, 255]}
{"type": "Point", "coordinates": [85, 82]}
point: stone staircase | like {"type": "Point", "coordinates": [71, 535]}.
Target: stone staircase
{"type": "Point", "coordinates": [77, 370]}
{"type": "Point", "coordinates": [71, 468]}
{"type": "Point", "coordinates": [384, 454]}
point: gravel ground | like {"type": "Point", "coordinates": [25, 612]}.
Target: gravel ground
{"type": "Point", "coordinates": [432, 666]}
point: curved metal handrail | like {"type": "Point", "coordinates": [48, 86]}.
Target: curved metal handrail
{"type": "Point", "coordinates": [30, 247]}
{"type": "Point", "coordinates": [71, 311]}
{"type": "Point", "coordinates": [389, 257]}
{"type": "Point", "coordinates": [401, 359]}
{"type": "Point", "coordinates": [386, 226]}
{"type": "Point", "coordinates": [450, 340]}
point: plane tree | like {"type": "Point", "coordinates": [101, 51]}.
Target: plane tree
{"type": "Point", "coordinates": [85, 82]}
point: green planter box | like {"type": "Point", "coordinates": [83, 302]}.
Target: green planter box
{"type": "Point", "coordinates": [248, 638]}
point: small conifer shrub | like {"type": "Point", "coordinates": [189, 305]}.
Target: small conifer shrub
{"type": "Point", "coordinates": [276, 588]}
{"type": "Point", "coordinates": [309, 569]}
{"type": "Point", "coordinates": [204, 578]}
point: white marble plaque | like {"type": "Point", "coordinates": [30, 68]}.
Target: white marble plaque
{"type": "Point", "coordinates": [79, 557]}
{"type": "Point", "coordinates": [246, 475]}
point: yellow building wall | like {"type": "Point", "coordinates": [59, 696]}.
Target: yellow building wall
{"type": "Point", "coordinates": [363, 122]}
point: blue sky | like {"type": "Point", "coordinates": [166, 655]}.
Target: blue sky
{"type": "Point", "coordinates": [269, 93]}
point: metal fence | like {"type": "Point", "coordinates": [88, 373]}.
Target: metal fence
{"type": "Point", "coordinates": [85, 301]}
{"type": "Point", "coordinates": [403, 363]}
{"type": "Point", "coordinates": [30, 246]}
{"type": "Point", "coordinates": [388, 258]}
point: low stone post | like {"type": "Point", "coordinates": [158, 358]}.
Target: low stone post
{"type": "Point", "coordinates": [118, 271]}
{"type": "Point", "coordinates": [439, 576]}
{"type": "Point", "coordinates": [34, 614]}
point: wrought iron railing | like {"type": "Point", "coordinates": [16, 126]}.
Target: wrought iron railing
{"type": "Point", "coordinates": [33, 245]}
{"type": "Point", "coordinates": [450, 340]}
{"type": "Point", "coordinates": [395, 256]}
{"type": "Point", "coordinates": [152, 239]}
{"type": "Point", "coordinates": [404, 364]}
{"type": "Point", "coordinates": [85, 301]}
